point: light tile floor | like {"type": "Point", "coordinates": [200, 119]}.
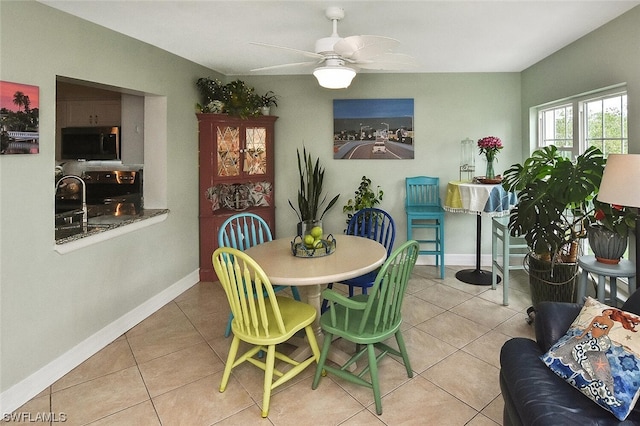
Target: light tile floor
{"type": "Point", "coordinates": [167, 369]}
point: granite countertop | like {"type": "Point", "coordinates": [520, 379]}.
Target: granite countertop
{"type": "Point", "coordinates": [99, 224]}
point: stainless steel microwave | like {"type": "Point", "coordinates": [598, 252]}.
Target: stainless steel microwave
{"type": "Point", "coordinates": [90, 143]}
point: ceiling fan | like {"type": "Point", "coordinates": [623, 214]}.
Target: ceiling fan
{"type": "Point", "coordinates": [337, 59]}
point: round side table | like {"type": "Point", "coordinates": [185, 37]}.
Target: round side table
{"type": "Point", "coordinates": [625, 268]}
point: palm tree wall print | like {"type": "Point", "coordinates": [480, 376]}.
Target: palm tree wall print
{"type": "Point", "coordinates": [19, 118]}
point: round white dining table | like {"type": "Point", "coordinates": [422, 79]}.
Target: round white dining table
{"type": "Point", "coordinates": [353, 256]}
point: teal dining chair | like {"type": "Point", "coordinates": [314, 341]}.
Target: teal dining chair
{"type": "Point", "coordinates": [241, 231]}
{"type": "Point", "coordinates": [368, 320]}
{"type": "Point", "coordinates": [425, 214]}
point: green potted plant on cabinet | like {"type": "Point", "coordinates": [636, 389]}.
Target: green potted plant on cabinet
{"type": "Point", "coordinates": [364, 197]}
{"type": "Point", "coordinates": [310, 195]}
{"type": "Point", "coordinates": [554, 199]}
{"type": "Point", "coordinates": [234, 98]}
{"type": "Point", "coordinates": [267, 101]}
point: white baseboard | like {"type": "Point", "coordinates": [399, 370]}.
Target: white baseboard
{"type": "Point", "coordinates": [20, 393]}
{"type": "Point", "coordinates": [457, 260]}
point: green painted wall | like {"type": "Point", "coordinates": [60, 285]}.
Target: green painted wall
{"type": "Point", "coordinates": [448, 109]}
{"type": "Point", "coordinates": [50, 303]}
{"type": "Point", "coordinates": [607, 56]}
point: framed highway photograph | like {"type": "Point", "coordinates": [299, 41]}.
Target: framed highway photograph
{"type": "Point", "coordinates": [380, 129]}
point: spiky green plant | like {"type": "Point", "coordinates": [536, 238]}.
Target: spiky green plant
{"type": "Point", "coordinates": [310, 197]}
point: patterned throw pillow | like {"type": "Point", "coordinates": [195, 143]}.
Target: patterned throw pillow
{"type": "Point", "coordinates": [600, 356]}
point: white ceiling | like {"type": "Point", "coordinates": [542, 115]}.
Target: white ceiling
{"type": "Point", "coordinates": [444, 36]}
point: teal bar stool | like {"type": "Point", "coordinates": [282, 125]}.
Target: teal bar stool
{"type": "Point", "coordinates": [424, 212]}
{"type": "Point", "coordinates": [589, 264]}
{"type": "Point", "coordinates": [511, 247]}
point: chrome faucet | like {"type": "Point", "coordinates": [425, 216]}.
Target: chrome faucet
{"type": "Point", "coordinates": [84, 196]}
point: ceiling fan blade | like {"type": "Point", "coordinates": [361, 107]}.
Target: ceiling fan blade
{"type": "Point", "coordinates": [290, 49]}
{"type": "Point", "coordinates": [364, 46]}
{"type": "Point", "coordinates": [388, 62]}
{"type": "Point", "coordinates": [295, 64]}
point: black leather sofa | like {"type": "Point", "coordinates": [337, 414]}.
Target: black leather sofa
{"type": "Point", "coordinates": [533, 394]}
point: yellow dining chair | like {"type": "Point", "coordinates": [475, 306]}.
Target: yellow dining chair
{"type": "Point", "coordinates": [369, 320]}
{"type": "Point", "coordinates": [261, 319]}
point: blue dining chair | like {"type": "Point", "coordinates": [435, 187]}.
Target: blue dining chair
{"type": "Point", "coordinates": [241, 231]}
{"type": "Point", "coordinates": [375, 224]}
{"type": "Point", "coordinates": [424, 212]}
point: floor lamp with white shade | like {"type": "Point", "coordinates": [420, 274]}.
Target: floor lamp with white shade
{"type": "Point", "coordinates": [621, 185]}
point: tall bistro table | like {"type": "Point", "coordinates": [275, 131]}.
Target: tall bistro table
{"type": "Point", "coordinates": [479, 199]}
{"type": "Point", "coordinates": [354, 256]}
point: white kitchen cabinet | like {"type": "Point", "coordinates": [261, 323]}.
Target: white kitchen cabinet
{"type": "Point", "coordinates": [93, 113]}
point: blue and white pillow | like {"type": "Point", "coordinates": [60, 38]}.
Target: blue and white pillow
{"type": "Point", "coordinates": [600, 356]}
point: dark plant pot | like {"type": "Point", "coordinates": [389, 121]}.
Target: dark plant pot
{"type": "Point", "coordinates": [547, 284]}
{"type": "Point", "coordinates": [607, 246]}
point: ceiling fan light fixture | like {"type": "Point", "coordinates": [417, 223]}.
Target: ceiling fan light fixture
{"type": "Point", "coordinates": [332, 77]}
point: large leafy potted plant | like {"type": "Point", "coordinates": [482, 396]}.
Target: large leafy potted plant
{"type": "Point", "coordinates": [554, 199]}
{"type": "Point", "coordinates": [364, 197]}
{"type": "Point", "coordinates": [310, 195]}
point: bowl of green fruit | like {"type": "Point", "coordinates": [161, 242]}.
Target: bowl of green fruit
{"type": "Point", "coordinates": [313, 244]}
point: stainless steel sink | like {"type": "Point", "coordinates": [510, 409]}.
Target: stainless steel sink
{"type": "Point", "coordinates": [68, 223]}
{"type": "Point", "coordinates": [68, 217]}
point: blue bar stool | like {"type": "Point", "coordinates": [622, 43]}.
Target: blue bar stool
{"type": "Point", "coordinates": [424, 211]}
{"type": "Point", "coordinates": [625, 268]}
{"type": "Point", "coordinates": [511, 247]}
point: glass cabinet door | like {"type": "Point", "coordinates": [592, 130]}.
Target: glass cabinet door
{"type": "Point", "coordinates": [255, 152]}
{"type": "Point", "coordinates": [228, 150]}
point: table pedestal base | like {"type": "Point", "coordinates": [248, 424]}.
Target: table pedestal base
{"type": "Point", "coordinates": [336, 355]}
{"type": "Point", "coordinates": [475, 276]}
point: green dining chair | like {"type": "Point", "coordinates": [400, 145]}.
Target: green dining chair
{"type": "Point", "coordinates": [368, 320]}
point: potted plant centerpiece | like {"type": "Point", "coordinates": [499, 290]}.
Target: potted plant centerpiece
{"type": "Point", "coordinates": [310, 196]}
{"type": "Point", "coordinates": [554, 200]}
{"type": "Point", "coordinates": [608, 231]}
{"type": "Point", "coordinates": [364, 197]}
